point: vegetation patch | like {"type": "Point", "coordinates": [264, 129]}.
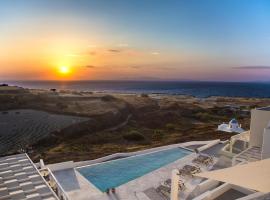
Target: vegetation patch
{"type": "Point", "coordinates": [170, 126]}
{"type": "Point", "coordinates": [158, 134]}
{"type": "Point", "coordinates": [134, 136]}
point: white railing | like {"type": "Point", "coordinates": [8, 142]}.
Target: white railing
{"type": "Point", "coordinates": [256, 195]}
{"type": "Point", "coordinates": [60, 191]}
{"type": "Point", "coordinates": [242, 136]}
{"type": "Point", "coordinates": [244, 156]}
{"type": "Point", "coordinates": [41, 176]}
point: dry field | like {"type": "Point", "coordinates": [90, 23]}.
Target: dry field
{"type": "Point", "coordinates": [117, 122]}
{"type": "Point", "coordinates": [21, 128]}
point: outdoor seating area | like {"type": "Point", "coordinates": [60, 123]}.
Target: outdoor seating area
{"type": "Point", "coordinates": [189, 170]}
{"type": "Point", "coordinates": [203, 160]}
{"type": "Point", "coordinates": [181, 184]}
{"type": "Point", "coordinates": [164, 191]}
{"type": "Point", "coordinates": [165, 188]}
{"type": "Point", "coordinates": [188, 182]}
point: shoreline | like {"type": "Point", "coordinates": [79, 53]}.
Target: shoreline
{"type": "Point", "coordinates": [126, 88]}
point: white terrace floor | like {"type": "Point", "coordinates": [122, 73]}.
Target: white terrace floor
{"type": "Point", "coordinates": [79, 188]}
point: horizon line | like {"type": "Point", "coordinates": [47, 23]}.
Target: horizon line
{"type": "Point", "coordinates": [135, 80]}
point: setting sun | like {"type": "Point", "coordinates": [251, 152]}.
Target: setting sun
{"type": "Point", "coordinates": [64, 70]}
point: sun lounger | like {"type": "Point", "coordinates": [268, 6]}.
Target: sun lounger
{"type": "Point", "coordinates": [164, 191]}
{"type": "Point", "coordinates": [188, 170]}
{"type": "Point", "coordinates": [181, 184]}
{"type": "Point", "coordinates": [203, 159]}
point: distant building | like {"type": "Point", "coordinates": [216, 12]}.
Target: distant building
{"type": "Point", "coordinates": [233, 126]}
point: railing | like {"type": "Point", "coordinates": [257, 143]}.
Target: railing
{"type": "Point", "coordinates": [60, 191]}
{"type": "Point", "coordinates": [248, 155]}
{"type": "Point", "coordinates": [242, 136]}
{"type": "Point", "coordinates": [42, 176]}
{"type": "Point", "coordinates": [257, 196]}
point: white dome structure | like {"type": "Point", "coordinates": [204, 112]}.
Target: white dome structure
{"type": "Point", "coordinates": [233, 126]}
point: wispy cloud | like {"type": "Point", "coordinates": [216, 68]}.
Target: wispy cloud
{"type": "Point", "coordinates": [259, 67]}
{"type": "Point", "coordinates": [89, 66]}
{"type": "Point", "coordinates": [135, 67]}
{"type": "Point", "coordinates": [114, 50]}
{"type": "Point", "coordinates": [92, 53]}
{"type": "Point", "coordinates": [155, 53]}
{"type": "Point", "coordinates": [155, 66]}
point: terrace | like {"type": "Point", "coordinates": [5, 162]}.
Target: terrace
{"type": "Point", "coordinates": [76, 186]}
{"type": "Point", "coordinates": [209, 174]}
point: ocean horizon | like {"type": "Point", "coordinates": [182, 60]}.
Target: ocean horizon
{"type": "Point", "coordinates": [201, 89]}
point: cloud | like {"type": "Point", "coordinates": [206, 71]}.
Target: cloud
{"type": "Point", "coordinates": [155, 53]}
{"type": "Point", "coordinates": [259, 67]}
{"type": "Point", "coordinates": [114, 50]}
{"type": "Point", "coordinates": [135, 67]}
{"type": "Point", "coordinates": [90, 66]}
{"type": "Point", "coordinates": [155, 66]}
{"type": "Point", "coordinates": [92, 53]}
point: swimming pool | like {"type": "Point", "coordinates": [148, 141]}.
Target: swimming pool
{"type": "Point", "coordinates": [114, 173]}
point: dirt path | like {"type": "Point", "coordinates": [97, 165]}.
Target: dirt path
{"type": "Point", "coordinates": [119, 125]}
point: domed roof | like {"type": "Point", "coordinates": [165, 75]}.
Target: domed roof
{"type": "Point", "coordinates": [233, 121]}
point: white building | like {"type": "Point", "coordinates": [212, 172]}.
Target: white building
{"type": "Point", "coordinates": [233, 126]}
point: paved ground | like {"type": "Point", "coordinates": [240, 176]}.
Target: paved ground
{"type": "Point", "coordinates": [231, 194]}
{"type": "Point", "coordinates": [214, 150]}
{"type": "Point", "coordinates": [194, 146]}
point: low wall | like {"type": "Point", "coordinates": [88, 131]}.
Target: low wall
{"type": "Point", "coordinates": [61, 166]}
{"type": "Point", "coordinates": [209, 191]}
{"type": "Point", "coordinates": [225, 151]}
{"type": "Point", "coordinates": [117, 155]}
{"type": "Point", "coordinates": [256, 195]}
{"type": "Point", "coordinates": [219, 190]}
{"type": "Point", "coordinates": [210, 144]}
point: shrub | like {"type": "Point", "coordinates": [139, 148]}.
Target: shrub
{"type": "Point", "coordinates": [133, 136]}
{"type": "Point", "coordinates": [61, 105]}
{"type": "Point", "coordinates": [108, 98]}
{"type": "Point", "coordinates": [170, 127]}
{"type": "Point", "coordinates": [204, 116]}
{"type": "Point", "coordinates": [158, 134]}
{"type": "Point", "coordinates": [3, 85]}
{"type": "Point", "coordinates": [144, 95]}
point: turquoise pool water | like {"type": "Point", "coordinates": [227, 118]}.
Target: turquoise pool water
{"type": "Point", "coordinates": [114, 173]}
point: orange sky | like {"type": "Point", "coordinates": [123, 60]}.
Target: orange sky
{"type": "Point", "coordinates": [41, 57]}
{"type": "Point", "coordinates": [127, 39]}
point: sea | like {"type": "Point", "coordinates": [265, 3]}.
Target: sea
{"type": "Point", "coordinates": [192, 88]}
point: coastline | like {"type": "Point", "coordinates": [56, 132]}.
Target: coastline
{"type": "Point", "coordinates": [142, 121]}
{"type": "Point", "coordinates": [197, 89]}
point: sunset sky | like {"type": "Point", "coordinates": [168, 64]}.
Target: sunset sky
{"type": "Point", "coordinates": [226, 40]}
